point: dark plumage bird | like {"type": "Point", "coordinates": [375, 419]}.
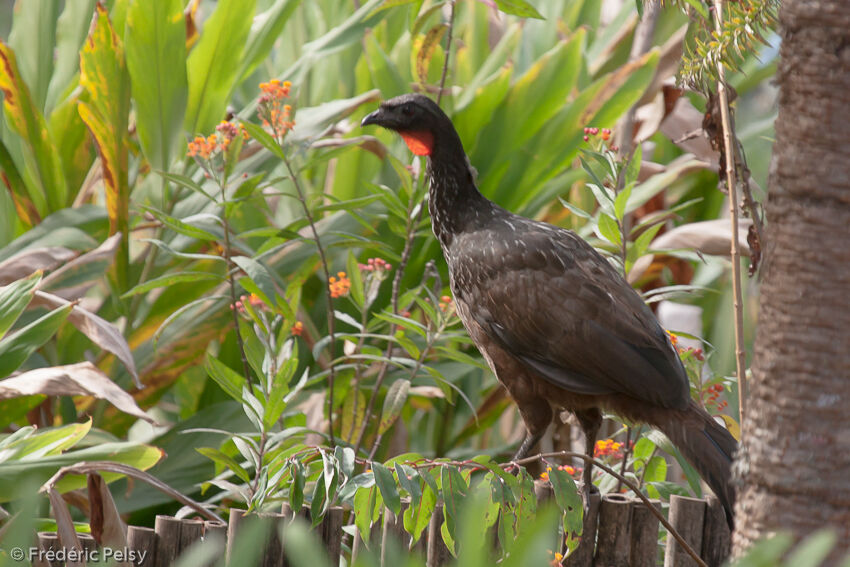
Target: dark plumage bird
{"type": "Point", "coordinates": [558, 325]}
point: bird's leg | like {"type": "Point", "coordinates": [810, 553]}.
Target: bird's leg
{"type": "Point", "coordinates": [590, 421]}
{"type": "Point", "coordinates": [537, 415]}
{"type": "Point", "coordinates": [531, 439]}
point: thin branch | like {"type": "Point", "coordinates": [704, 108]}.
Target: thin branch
{"type": "Point", "coordinates": [448, 54]}
{"type": "Point", "coordinates": [405, 255]}
{"type": "Point", "coordinates": [731, 186]}
{"type": "Point", "coordinates": [231, 281]}
{"type": "Point", "coordinates": [329, 296]}
{"type": "Point", "coordinates": [630, 485]}
{"type": "Point", "coordinates": [97, 466]}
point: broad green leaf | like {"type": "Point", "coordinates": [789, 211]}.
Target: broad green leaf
{"type": "Point", "coordinates": [45, 442]}
{"type": "Point", "coordinates": [103, 75]}
{"type": "Point", "coordinates": [50, 192]}
{"type": "Point", "coordinates": [71, 30]}
{"type": "Point", "coordinates": [17, 347]}
{"type": "Point", "coordinates": [213, 62]}
{"type": "Point", "coordinates": [386, 484]}
{"type": "Point", "coordinates": [155, 37]}
{"type": "Point", "coordinates": [14, 473]}
{"type": "Point", "coordinates": [393, 404]}
{"type": "Point", "coordinates": [14, 298]}
{"type": "Point", "coordinates": [265, 31]}
{"type": "Point", "coordinates": [385, 74]}
{"type": "Point", "coordinates": [72, 141]}
{"type": "Point", "coordinates": [519, 8]}
{"type": "Point", "coordinates": [33, 37]}
{"type": "Point", "coordinates": [259, 274]}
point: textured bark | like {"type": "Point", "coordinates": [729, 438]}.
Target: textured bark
{"type": "Point", "coordinates": [796, 452]}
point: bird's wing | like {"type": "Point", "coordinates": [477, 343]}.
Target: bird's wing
{"type": "Point", "coordinates": [551, 300]}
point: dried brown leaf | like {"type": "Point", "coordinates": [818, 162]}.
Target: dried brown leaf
{"type": "Point", "coordinates": [65, 526]}
{"type": "Point", "coordinates": [103, 253]}
{"type": "Point", "coordinates": [107, 527]}
{"type": "Point", "coordinates": [101, 332]}
{"type": "Point", "coordinates": [24, 263]}
{"type": "Point", "coordinates": [82, 379]}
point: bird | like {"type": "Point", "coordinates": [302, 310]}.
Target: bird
{"type": "Point", "coordinates": [558, 325]}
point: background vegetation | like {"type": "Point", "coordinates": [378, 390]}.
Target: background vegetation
{"type": "Point", "coordinates": [129, 263]}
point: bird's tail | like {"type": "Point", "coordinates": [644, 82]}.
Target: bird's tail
{"type": "Point", "coordinates": [709, 447]}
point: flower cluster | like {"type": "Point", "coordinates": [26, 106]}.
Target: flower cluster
{"type": "Point", "coordinates": [253, 300]}
{"type": "Point", "coordinates": [556, 560]}
{"type": "Point", "coordinates": [607, 447]}
{"type": "Point", "coordinates": [569, 469]}
{"type": "Point", "coordinates": [339, 285]}
{"type": "Point", "coordinates": [375, 265]}
{"type": "Point", "coordinates": [604, 133]}
{"type": "Point", "coordinates": [446, 303]}
{"type": "Point", "coordinates": [206, 148]}
{"type": "Point", "coordinates": [297, 329]}
{"type": "Point", "coordinates": [274, 114]}
{"type": "Point", "coordinates": [714, 392]}
{"type": "Point", "coordinates": [696, 352]}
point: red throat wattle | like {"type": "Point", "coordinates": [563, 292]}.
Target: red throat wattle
{"type": "Point", "coordinates": [420, 142]}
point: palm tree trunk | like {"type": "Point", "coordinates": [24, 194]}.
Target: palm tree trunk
{"type": "Point", "coordinates": [795, 461]}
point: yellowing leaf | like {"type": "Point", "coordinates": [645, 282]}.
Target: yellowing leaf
{"type": "Point", "coordinates": [103, 74]}
{"type": "Point", "coordinates": [50, 193]}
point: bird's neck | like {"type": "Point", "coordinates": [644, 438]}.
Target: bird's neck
{"type": "Point", "coordinates": [455, 203]}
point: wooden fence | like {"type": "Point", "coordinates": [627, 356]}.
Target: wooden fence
{"type": "Point", "coordinates": [626, 534]}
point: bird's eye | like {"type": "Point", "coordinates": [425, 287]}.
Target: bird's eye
{"type": "Point", "coordinates": [407, 110]}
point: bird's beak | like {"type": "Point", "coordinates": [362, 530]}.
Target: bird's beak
{"type": "Point", "coordinates": [373, 118]}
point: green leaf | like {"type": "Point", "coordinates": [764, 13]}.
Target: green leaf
{"type": "Point", "coordinates": [226, 461]}
{"type": "Point", "coordinates": [265, 31]}
{"type": "Point", "coordinates": [365, 508]}
{"type": "Point", "coordinates": [260, 275]}
{"type": "Point", "coordinates": [212, 63]}
{"type": "Point", "coordinates": [609, 230]}
{"type": "Point", "coordinates": [15, 473]}
{"type": "Point", "coordinates": [296, 487]}
{"type": "Point", "coordinates": [454, 490]}
{"type": "Point", "coordinates": [230, 381]}
{"type": "Point", "coordinates": [33, 36]}
{"type": "Point", "coordinates": [393, 404]}
{"type": "Point", "coordinates": [14, 298]}
{"type": "Point", "coordinates": [44, 442]}
{"type": "Point", "coordinates": [169, 280]}
{"type": "Point", "coordinates": [519, 8]}
{"type": "Point", "coordinates": [656, 469]}
{"type": "Point", "coordinates": [71, 30]}
{"type": "Point", "coordinates": [17, 347]}
{"type": "Point", "coordinates": [386, 484]}
{"type": "Point", "coordinates": [155, 37]}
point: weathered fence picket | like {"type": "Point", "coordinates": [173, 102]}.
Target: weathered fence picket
{"type": "Point", "coordinates": [619, 531]}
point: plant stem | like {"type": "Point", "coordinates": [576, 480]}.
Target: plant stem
{"type": "Point", "coordinates": [331, 318]}
{"type": "Point", "coordinates": [731, 186]}
{"type": "Point", "coordinates": [448, 54]}
{"type": "Point", "coordinates": [232, 284]}
{"type": "Point", "coordinates": [405, 255]}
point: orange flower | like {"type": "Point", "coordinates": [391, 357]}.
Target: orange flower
{"type": "Point", "coordinates": [606, 447]}
{"type": "Point", "coordinates": [297, 328]}
{"type": "Point", "coordinates": [206, 148]}
{"type": "Point", "coordinates": [339, 285]}
{"type": "Point", "coordinates": [274, 114]}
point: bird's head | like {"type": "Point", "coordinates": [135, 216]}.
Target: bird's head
{"type": "Point", "coordinates": [419, 120]}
